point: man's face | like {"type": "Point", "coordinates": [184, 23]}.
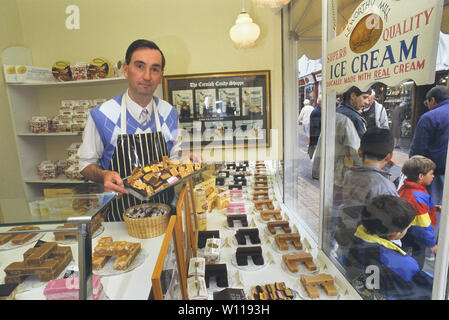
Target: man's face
{"type": "Point", "coordinates": [430, 103]}
{"type": "Point", "coordinates": [361, 101]}
{"type": "Point", "coordinates": [372, 97]}
{"type": "Point", "coordinates": [144, 72]}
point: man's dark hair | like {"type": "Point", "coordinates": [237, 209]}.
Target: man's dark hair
{"type": "Point", "coordinates": [440, 93]}
{"type": "Point", "coordinates": [142, 43]}
{"type": "Point", "coordinates": [377, 143]}
{"type": "Point", "coordinates": [386, 214]}
{"type": "Point", "coordinates": [356, 90]}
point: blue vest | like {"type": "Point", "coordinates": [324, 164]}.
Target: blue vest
{"type": "Point", "coordinates": [107, 119]}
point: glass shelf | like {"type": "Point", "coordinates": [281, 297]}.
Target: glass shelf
{"type": "Point", "coordinates": [52, 210]}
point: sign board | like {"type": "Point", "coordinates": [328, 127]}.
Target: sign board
{"type": "Point", "coordinates": [386, 41]}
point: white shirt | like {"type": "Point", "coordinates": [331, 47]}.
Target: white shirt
{"type": "Point", "coordinates": [91, 150]}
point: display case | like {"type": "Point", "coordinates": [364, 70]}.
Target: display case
{"type": "Point", "coordinates": [24, 223]}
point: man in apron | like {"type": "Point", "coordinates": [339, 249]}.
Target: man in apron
{"type": "Point", "coordinates": [131, 130]}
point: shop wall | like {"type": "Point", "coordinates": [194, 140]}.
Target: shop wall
{"type": "Point", "coordinates": [194, 35]}
{"type": "Point", "coordinates": [10, 35]}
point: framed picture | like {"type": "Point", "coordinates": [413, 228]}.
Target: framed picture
{"type": "Point", "coordinates": [229, 109]}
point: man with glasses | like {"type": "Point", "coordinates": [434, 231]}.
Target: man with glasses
{"type": "Point", "coordinates": [431, 137]}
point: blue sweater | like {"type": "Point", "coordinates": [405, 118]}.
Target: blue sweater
{"type": "Point", "coordinates": [399, 274]}
{"type": "Point", "coordinates": [431, 136]}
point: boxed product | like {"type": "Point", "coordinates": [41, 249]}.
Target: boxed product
{"type": "Point", "coordinates": [222, 200]}
{"type": "Point", "coordinates": [46, 170]}
{"type": "Point", "coordinates": [39, 124]}
{"type": "Point", "coordinates": [30, 73]}
{"type": "Point", "coordinates": [64, 125]}
{"type": "Point", "coordinates": [78, 124]}
{"type": "Point", "coordinates": [73, 173]}
{"type": "Point", "coordinates": [197, 267]}
{"type": "Point", "coordinates": [212, 250]}
{"type": "Point", "coordinates": [196, 288]}
{"type": "Point", "coordinates": [10, 73]}
{"type": "Point", "coordinates": [79, 71]}
{"type": "Point", "coordinates": [73, 148]}
{"type": "Point", "coordinates": [68, 289]}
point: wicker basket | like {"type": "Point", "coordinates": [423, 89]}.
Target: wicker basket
{"type": "Point", "coordinates": [148, 227]}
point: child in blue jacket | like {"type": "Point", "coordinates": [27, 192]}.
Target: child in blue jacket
{"type": "Point", "coordinates": [387, 269]}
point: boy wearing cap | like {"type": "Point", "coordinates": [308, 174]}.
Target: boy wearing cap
{"type": "Point", "coordinates": [384, 219]}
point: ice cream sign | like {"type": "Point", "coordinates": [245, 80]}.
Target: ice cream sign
{"type": "Point", "coordinates": [386, 41]}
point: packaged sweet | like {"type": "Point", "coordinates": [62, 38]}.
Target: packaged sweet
{"type": "Point", "coordinates": [61, 71]}
{"type": "Point", "coordinates": [68, 289]}
{"type": "Point", "coordinates": [197, 266]}
{"type": "Point", "coordinates": [99, 68]}
{"type": "Point", "coordinates": [73, 148]}
{"type": "Point", "coordinates": [79, 71]}
{"type": "Point", "coordinates": [46, 170]}
{"type": "Point", "coordinates": [196, 288]}
{"type": "Point", "coordinates": [39, 124]}
{"type": "Point", "coordinates": [212, 250]}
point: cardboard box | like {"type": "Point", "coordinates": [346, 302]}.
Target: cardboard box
{"type": "Point", "coordinates": [30, 73]}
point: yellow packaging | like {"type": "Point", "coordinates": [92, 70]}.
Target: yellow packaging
{"type": "Point", "coordinates": [10, 73]}
{"type": "Point", "coordinates": [222, 200]}
{"type": "Point", "coordinates": [199, 195]}
{"type": "Point", "coordinates": [99, 68]}
{"type": "Point", "coordinates": [202, 221]}
{"type": "Point", "coordinates": [211, 201]}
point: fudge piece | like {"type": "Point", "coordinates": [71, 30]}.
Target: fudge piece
{"type": "Point", "coordinates": [122, 262]}
{"type": "Point", "coordinates": [204, 235]}
{"type": "Point", "coordinates": [252, 233]}
{"type": "Point", "coordinates": [219, 271]}
{"type": "Point", "coordinates": [242, 254]}
{"type": "Point", "coordinates": [272, 225]}
{"type": "Point", "coordinates": [282, 241]}
{"type": "Point", "coordinates": [267, 214]}
{"type": "Point", "coordinates": [260, 195]}
{"type": "Point", "coordinates": [291, 261]}
{"type": "Point", "coordinates": [259, 204]}
{"type": "Point", "coordinates": [231, 218]}
{"type": "Point", "coordinates": [311, 283]}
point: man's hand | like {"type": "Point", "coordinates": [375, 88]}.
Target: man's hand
{"type": "Point", "coordinates": [434, 249]}
{"type": "Point", "coordinates": [438, 207]}
{"type": "Point", "coordinates": [113, 183]}
{"type": "Point", "coordinates": [196, 157]}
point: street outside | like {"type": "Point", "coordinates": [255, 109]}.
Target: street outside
{"type": "Point", "coordinates": [308, 189]}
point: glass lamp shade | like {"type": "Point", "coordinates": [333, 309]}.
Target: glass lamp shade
{"type": "Point", "coordinates": [270, 3]}
{"type": "Point", "coordinates": [245, 32]}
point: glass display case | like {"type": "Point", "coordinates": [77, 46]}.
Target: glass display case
{"type": "Point", "coordinates": [24, 223]}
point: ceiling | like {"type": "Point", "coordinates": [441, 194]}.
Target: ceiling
{"type": "Point", "coordinates": [306, 26]}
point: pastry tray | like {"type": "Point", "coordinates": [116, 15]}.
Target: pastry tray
{"type": "Point", "coordinates": [143, 197]}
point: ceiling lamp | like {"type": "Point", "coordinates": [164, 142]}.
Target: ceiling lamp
{"type": "Point", "coordinates": [270, 3]}
{"type": "Point", "coordinates": [245, 32]}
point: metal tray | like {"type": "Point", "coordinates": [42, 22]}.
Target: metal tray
{"type": "Point", "coordinates": [143, 197]}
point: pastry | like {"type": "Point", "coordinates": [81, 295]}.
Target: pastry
{"type": "Point", "coordinates": [326, 281]}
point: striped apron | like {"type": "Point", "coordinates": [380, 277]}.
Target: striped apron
{"type": "Point", "coordinates": [137, 150]}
